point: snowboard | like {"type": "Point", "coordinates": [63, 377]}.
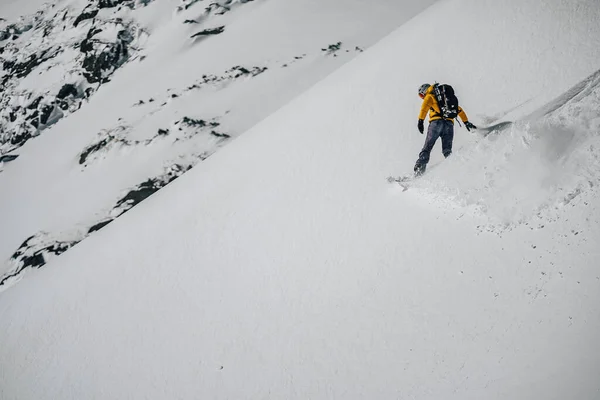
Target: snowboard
{"type": "Point", "coordinates": [494, 129]}
{"type": "Point", "coordinates": [404, 181]}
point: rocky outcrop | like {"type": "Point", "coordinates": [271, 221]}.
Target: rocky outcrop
{"type": "Point", "coordinates": [147, 188]}
{"type": "Point", "coordinates": [214, 9]}
{"type": "Point", "coordinates": [117, 3]}
{"type": "Point", "coordinates": [102, 59]}
{"type": "Point", "coordinates": [85, 15]}
{"type": "Point", "coordinates": [8, 158]}
{"type": "Point", "coordinates": [100, 41]}
{"type": "Point", "coordinates": [38, 249]}
{"type": "Point", "coordinates": [209, 32]}
{"type": "Point", "coordinates": [34, 253]}
{"type": "Point", "coordinates": [104, 44]}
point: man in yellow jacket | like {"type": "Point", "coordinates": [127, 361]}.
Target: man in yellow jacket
{"type": "Point", "coordinates": [438, 127]}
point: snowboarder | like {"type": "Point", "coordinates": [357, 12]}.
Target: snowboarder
{"type": "Point", "coordinates": [441, 120]}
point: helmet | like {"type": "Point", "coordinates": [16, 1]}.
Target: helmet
{"type": "Point", "coordinates": [423, 89]}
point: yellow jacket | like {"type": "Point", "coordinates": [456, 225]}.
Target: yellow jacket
{"type": "Point", "coordinates": [430, 105]}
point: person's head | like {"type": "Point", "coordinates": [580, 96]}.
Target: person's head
{"type": "Point", "coordinates": [423, 90]}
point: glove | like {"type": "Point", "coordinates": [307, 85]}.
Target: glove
{"type": "Point", "coordinates": [420, 126]}
{"type": "Point", "coordinates": [469, 126]}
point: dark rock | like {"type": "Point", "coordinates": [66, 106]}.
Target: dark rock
{"type": "Point", "coordinates": [33, 118]}
{"type": "Point", "coordinates": [239, 71]}
{"type": "Point", "coordinates": [333, 48]}
{"type": "Point", "coordinates": [85, 16]}
{"type": "Point", "coordinates": [8, 157]}
{"type": "Point", "coordinates": [48, 30]}
{"type": "Point", "coordinates": [12, 116]}
{"type": "Point", "coordinates": [36, 260]}
{"type": "Point", "coordinates": [21, 250]}
{"type": "Point", "coordinates": [8, 65]}
{"type": "Point", "coordinates": [193, 122]}
{"type": "Point", "coordinates": [34, 104]}
{"type": "Point", "coordinates": [93, 148]}
{"type": "Point", "coordinates": [86, 45]}
{"type": "Point", "coordinates": [125, 36]}
{"type": "Point", "coordinates": [191, 3]}
{"type": "Point", "coordinates": [64, 105]}
{"type": "Point", "coordinates": [19, 139]}
{"type": "Point", "coordinates": [128, 3]}
{"type": "Point", "coordinates": [45, 113]}
{"type": "Point", "coordinates": [33, 255]}
{"type": "Point", "coordinates": [220, 135]}
{"type": "Point", "coordinates": [149, 187]}
{"type": "Point", "coordinates": [110, 3]}
{"type": "Point", "coordinates": [21, 70]}
{"type": "Point", "coordinates": [98, 66]}
{"type": "Point", "coordinates": [140, 193]}
{"type": "Point", "coordinates": [209, 32]}
{"type": "Point", "coordinates": [100, 63]}
{"type": "Point", "coordinates": [99, 225]}
{"type": "Point", "coordinates": [216, 9]}
{"type": "Point", "coordinates": [67, 90]}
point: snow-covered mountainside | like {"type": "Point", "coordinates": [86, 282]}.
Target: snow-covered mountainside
{"type": "Point", "coordinates": [286, 266]}
{"type": "Point", "coordinates": [54, 60]}
{"type": "Point", "coordinates": [105, 102]}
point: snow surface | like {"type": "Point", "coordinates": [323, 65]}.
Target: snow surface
{"type": "Point", "coordinates": [286, 37]}
{"type": "Point", "coordinates": [285, 266]}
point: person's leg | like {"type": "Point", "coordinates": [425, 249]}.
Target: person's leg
{"type": "Point", "coordinates": [433, 132]}
{"type": "Point", "coordinates": [447, 135]}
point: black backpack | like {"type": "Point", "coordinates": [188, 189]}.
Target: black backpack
{"type": "Point", "coordinates": [447, 101]}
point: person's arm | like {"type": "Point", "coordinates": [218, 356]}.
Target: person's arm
{"type": "Point", "coordinates": [463, 116]}
{"type": "Point", "coordinates": [426, 106]}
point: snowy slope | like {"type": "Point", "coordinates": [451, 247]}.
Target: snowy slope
{"type": "Point", "coordinates": [171, 102]}
{"type": "Point", "coordinates": [284, 266]}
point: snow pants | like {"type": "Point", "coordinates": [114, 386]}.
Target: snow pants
{"type": "Point", "coordinates": [437, 129]}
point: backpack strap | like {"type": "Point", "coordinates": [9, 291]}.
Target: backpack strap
{"type": "Point", "coordinates": [436, 90]}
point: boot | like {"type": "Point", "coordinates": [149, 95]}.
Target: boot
{"type": "Point", "coordinates": [420, 169]}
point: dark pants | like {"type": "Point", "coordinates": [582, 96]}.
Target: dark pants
{"type": "Point", "coordinates": [443, 129]}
